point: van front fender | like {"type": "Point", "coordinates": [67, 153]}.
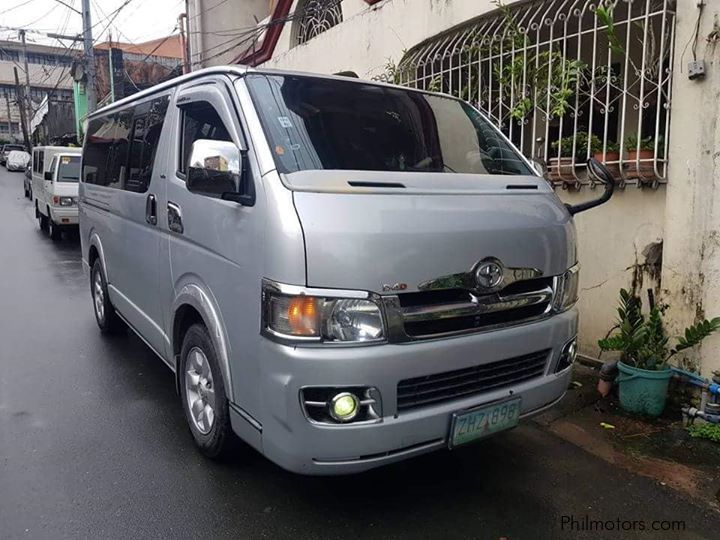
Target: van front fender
{"type": "Point", "coordinates": [194, 295]}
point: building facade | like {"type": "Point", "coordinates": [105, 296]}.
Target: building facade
{"type": "Point", "coordinates": [49, 75]}
{"type": "Point", "coordinates": [565, 80]}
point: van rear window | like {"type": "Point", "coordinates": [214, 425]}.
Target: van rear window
{"type": "Point", "coordinates": [69, 169]}
{"type": "Point", "coordinates": [320, 123]}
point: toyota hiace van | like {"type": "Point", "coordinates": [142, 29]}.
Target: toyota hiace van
{"type": "Point", "coordinates": [343, 273]}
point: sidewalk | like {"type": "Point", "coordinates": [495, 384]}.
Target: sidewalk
{"type": "Point", "coordinates": [660, 449]}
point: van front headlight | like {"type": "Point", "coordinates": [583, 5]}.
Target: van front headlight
{"type": "Point", "coordinates": [566, 289]}
{"type": "Point", "coordinates": [297, 314]}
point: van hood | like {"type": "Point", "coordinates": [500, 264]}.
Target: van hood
{"type": "Point", "coordinates": [359, 235]}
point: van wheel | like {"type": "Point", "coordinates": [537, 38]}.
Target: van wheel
{"type": "Point", "coordinates": [105, 315]}
{"type": "Point", "coordinates": [53, 230]}
{"type": "Point", "coordinates": [202, 392]}
{"type": "Point", "coordinates": [43, 220]}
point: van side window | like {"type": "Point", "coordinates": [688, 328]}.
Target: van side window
{"type": "Point", "coordinates": [200, 120]}
{"type": "Point", "coordinates": [41, 161]}
{"type": "Point", "coordinates": [106, 149]}
{"type": "Point", "coordinates": [51, 169]}
{"type": "Point", "coordinates": [35, 160]}
{"type": "Point", "coordinates": [144, 144]}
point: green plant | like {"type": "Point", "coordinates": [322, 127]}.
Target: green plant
{"type": "Point", "coordinates": [632, 142]}
{"type": "Point", "coordinates": [580, 142]}
{"type": "Point", "coordinates": [705, 431]}
{"type": "Point", "coordinates": [642, 339]}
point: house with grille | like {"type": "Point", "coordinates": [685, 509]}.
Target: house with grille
{"type": "Point", "coordinates": [633, 83]}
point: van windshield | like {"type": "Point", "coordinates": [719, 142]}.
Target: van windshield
{"type": "Point", "coordinates": [69, 169]}
{"type": "Point", "coordinates": [318, 123]}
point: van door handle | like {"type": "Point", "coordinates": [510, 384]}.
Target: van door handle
{"type": "Point", "coordinates": [151, 209]}
{"type": "Point", "coordinates": [174, 215]}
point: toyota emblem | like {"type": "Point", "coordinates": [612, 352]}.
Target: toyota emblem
{"type": "Point", "coordinates": [489, 274]}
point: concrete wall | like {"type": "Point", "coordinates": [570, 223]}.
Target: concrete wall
{"type": "Point", "coordinates": [691, 262]}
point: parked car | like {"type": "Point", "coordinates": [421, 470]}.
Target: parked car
{"type": "Point", "coordinates": [5, 149]}
{"type": "Point", "coordinates": [27, 181]}
{"type": "Point", "coordinates": [343, 273]}
{"type": "Point", "coordinates": [55, 188]}
{"type": "Point", "coordinates": [17, 160]}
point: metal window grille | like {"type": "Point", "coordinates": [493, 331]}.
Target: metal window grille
{"type": "Point", "coordinates": [317, 16]}
{"type": "Point", "coordinates": [565, 80]}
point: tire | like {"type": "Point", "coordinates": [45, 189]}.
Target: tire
{"type": "Point", "coordinates": [54, 230]}
{"type": "Point", "coordinates": [105, 316]}
{"type": "Point", "coordinates": [198, 361]}
{"type": "Point", "coordinates": [42, 219]}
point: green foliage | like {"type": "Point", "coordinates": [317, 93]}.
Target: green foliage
{"type": "Point", "coordinates": [705, 431]}
{"type": "Point", "coordinates": [581, 142]}
{"type": "Point", "coordinates": [605, 16]}
{"type": "Point", "coordinates": [632, 142]}
{"type": "Point", "coordinates": [642, 339]}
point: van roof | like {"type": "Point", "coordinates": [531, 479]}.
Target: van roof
{"type": "Point", "coordinates": [68, 149]}
{"type": "Point", "coordinates": [233, 70]}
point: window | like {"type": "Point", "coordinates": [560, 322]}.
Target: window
{"type": "Point", "coordinates": [41, 161]}
{"type": "Point", "coordinates": [199, 121]}
{"type": "Point", "coordinates": [51, 169]}
{"type": "Point", "coordinates": [120, 148]}
{"type": "Point", "coordinates": [106, 149]}
{"type": "Point", "coordinates": [315, 123]}
{"type": "Point", "coordinates": [147, 127]}
{"type": "Point", "coordinates": [69, 169]}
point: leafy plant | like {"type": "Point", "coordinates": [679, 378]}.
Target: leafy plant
{"type": "Point", "coordinates": [642, 339]}
{"type": "Point", "coordinates": [705, 431]}
{"type": "Point", "coordinates": [632, 142]}
{"type": "Point", "coordinates": [580, 142]}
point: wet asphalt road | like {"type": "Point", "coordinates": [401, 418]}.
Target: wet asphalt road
{"type": "Point", "coordinates": [93, 444]}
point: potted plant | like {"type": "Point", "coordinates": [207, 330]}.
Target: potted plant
{"type": "Point", "coordinates": [641, 157]}
{"type": "Point", "coordinates": [562, 168]}
{"type": "Point", "coordinates": [610, 157]}
{"type": "Point", "coordinates": [645, 353]}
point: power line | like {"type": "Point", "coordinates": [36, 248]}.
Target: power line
{"type": "Point", "coordinates": [15, 7]}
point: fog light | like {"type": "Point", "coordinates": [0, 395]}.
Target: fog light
{"type": "Point", "coordinates": [344, 407]}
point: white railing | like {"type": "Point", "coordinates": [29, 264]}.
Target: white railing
{"type": "Point", "coordinates": [565, 80]}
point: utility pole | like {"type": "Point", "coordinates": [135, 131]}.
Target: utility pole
{"type": "Point", "coordinates": [7, 107]}
{"type": "Point", "coordinates": [21, 104]}
{"type": "Point", "coordinates": [29, 106]}
{"type": "Point", "coordinates": [111, 71]}
{"type": "Point", "coordinates": [89, 57]}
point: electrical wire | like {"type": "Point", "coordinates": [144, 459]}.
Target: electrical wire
{"type": "Point", "coordinates": [8, 10]}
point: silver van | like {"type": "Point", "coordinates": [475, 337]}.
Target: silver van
{"type": "Point", "coordinates": [342, 273]}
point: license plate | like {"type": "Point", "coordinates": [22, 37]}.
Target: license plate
{"type": "Point", "coordinates": [484, 421]}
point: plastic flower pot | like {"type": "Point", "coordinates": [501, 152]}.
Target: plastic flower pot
{"type": "Point", "coordinates": [643, 391]}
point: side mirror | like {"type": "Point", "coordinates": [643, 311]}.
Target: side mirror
{"type": "Point", "coordinates": [48, 176]}
{"type": "Point", "coordinates": [601, 172]}
{"type": "Point", "coordinates": [218, 168]}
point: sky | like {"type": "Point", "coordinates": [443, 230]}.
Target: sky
{"type": "Point", "coordinates": [136, 20]}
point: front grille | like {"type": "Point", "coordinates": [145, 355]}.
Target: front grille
{"type": "Point", "coordinates": [450, 385]}
{"type": "Point", "coordinates": [435, 313]}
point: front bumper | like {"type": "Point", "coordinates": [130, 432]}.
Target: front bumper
{"type": "Point", "coordinates": [64, 216]}
{"type": "Point", "coordinates": [290, 440]}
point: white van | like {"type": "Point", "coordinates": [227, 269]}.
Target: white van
{"type": "Point", "coordinates": [56, 171]}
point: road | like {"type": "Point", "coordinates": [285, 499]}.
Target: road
{"type": "Point", "coordinates": [93, 444]}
